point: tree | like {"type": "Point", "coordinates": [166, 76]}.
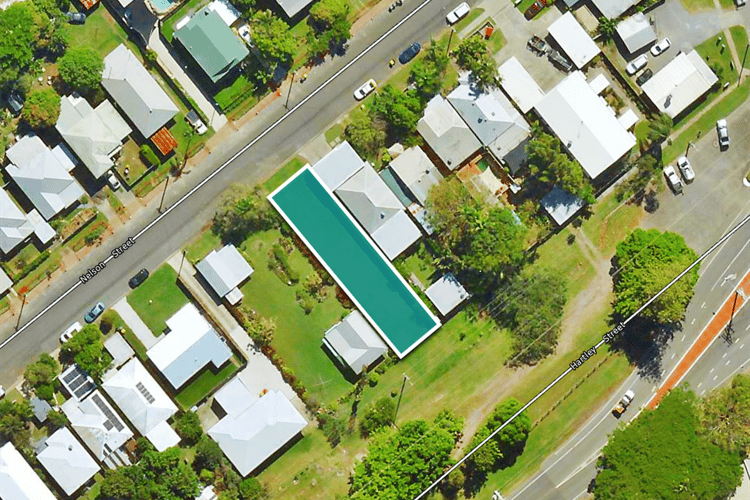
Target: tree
{"type": "Point", "coordinates": [244, 6]}
{"type": "Point", "coordinates": [607, 28]}
{"type": "Point", "coordinates": [645, 262]}
{"type": "Point", "coordinates": [534, 305]}
{"type": "Point", "coordinates": [428, 72]}
{"type": "Point", "coordinates": [366, 136]}
{"type": "Point", "coordinates": [165, 471]}
{"type": "Point", "coordinates": [14, 416]}
{"type": "Point", "coordinates": [473, 54]}
{"type": "Point", "coordinates": [381, 414]}
{"type": "Point", "coordinates": [42, 108]}
{"type": "Point", "coordinates": [86, 348]}
{"type": "Point", "coordinates": [400, 110]}
{"type": "Point", "coordinates": [188, 427]}
{"type": "Point", "coordinates": [327, 12]}
{"type": "Point", "coordinates": [330, 20]}
{"type": "Point", "coordinates": [241, 212]}
{"type": "Point", "coordinates": [21, 30]}
{"type": "Point", "coordinates": [252, 489]}
{"type": "Point", "coordinates": [55, 420]}
{"type": "Point", "coordinates": [81, 68]}
{"type": "Point", "coordinates": [446, 206]}
{"type": "Point", "coordinates": [725, 416]}
{"type": "Point", "coordinates": [41, 374]}
{"type": "Point", "coordinates": [117, 485]}
{"type": "Point", "coordinates": [660, 455]}
{"type": "Point", "coordinates": [551, 166]}
{"type": "Point", "coordinates": [660, 128]}
{"type": "Point", "coordinates": [400, 464]}
{"type": "Point", "coordinates": [333, 427]}
{"type": "Point", "coordinates": [208, 455]}
{"type": "Point", "coordinates": [273, 39]}
{"type": "Point", "coordinates": [506, 445]}
{"type": "Point", "coordinates": [60, 38]}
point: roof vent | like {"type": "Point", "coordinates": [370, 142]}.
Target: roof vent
{"type": "Point", "coordinates": [70, 447]}
{"type": "Point", "coordinates": [382, 215]}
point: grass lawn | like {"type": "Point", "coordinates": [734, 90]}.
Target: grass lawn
{"type": "Point", "coordinates": [712, 53]}
{"type": "Point", "coordinates": [739, 36]}
{"type": "Point", "coordinates": [204, 383]}
{"type": "Point", "coordinates": [202, 246]}
{"type": "Point", "coordinates": [727, 4]}
{"type": "Point", "coordinates": [166, 297]}
{"type": "Point", "coordinates": [696, 5]}
{"type": "Point", "coordinates": [167, 27]}
{"type": "Point", "coordinates": [298, 337]}
{"type": "Point", "coordinates": [100, 32]}
{"type": "Point", "coordinates": [114, 201]}
{"type": "Point", "coordinates": [89, 234]}
{"type": "Point", "coordinates": [401, 79]}
{"type": "Point", "coordinates": [232, 95]}
{"type": "Point", "coordinates": [606, 228]}
{"type": "Point", "coordinates": [24, 257]}
{"type": "Point", "coordinates": [420, 263]}
{"type": "Point", "coordinates": [283, 174]}
{"type": "Point", "coordinates": [4, 304]}
{"type": "Point", "coordinates": [131, 159]}
{"type": "Point", "coordinates": [471, 17]}
{"type": "Point", "coordinates": [335, 134]}
{"type": "Point", "coordinates": [41, 273]}
{"type": "Point", "coordinates": [566, 260]}
{"type": "Point", "coordinates": [641, 132]}
{"type": "Point", "coordinates": [497, 40]}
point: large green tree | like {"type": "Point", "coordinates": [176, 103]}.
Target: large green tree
{"type": "Point", "coordinates": [86, 349]}
{"type": "Point", "coordinates": [506, 444]}
{"type": "Point", "coordinates": [428, 72]}
{"type": "Point", "coordinates": [330, 20]}
{"type": "Point", "coordinates": [23, 29]}
{"type": "Point", "coordinates": [42, 108]}
{"type": "Point", "coordinates": [81, 68]}
{"type": "Point", "coordinates": [645, 262]}
{"type": "Point", "coordinates": [400, 110]}
{"type": "Point", "coordinates": [473, 54]}
{"type": "Point", "coordinates": [241, 212]}
{"type": "Point", "coordinates": [400, 464]}
{"type": "Point", "coordinates": [273, 39]}
{"type": "Point", "coordinates": [366, 136]}
{"type": "Point", "coordinates": [660, 128]}
{"type": "Point", "coordinates": [41, 374]}
{"type": "Point", "coordinates": [188, 427]}
{"type": "Point", "coordinates": [381, 414]}
{"type": "Point", "coordinates": [661, 455]}
{"type": "Point", "coordinates": [550, 165]}
{"type": "Point", "coordinates": [14, 416]}
{"type": "Point", "coordinates": [725, 416]}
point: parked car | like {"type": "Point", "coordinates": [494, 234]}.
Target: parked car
{"type": "Point", "coordinates": [365, 89]}
{"type": "Point", "coordinates": [195, 122]}
{"type": "Point", "coordinates": [15, 102]}
{"type": "Point", "coordinates": [636, 64]}
{"type": "Point", "coordinates": [683, 165]}
{"type": "Point", "coordinates": [723, 131]}
{"type": "Point", "coordinates": [139, 278]}
{"type": "Point", "coordinates": [644, 77]}
{"type": "Point", "coordinates": [70, 331]}
{"type": "Point", "coordinates": [113, 182]}
{"type": "Point", "coordinates": [94, 312]}
{"type": "Point", "coordinates": [458, 13]}
{"type": "Point", "coordinates": [76, 17]}
{"type": "Point", "coordinates": [533, 10]}
{"type": "Point", "coordinates": [739, 3]}
{"type": "Point", "coordinates": [244, 32]}
{"type": "Point", "coordinates": [660, 47]}
{"type": "Point", "coordinates": [410, 53]}
{"type": "Point", "coordinates": [2, 392]}
{"type": "Point", "coordinates": [674, 180]}
{"type": "Point", "coordinates": [627, 398]}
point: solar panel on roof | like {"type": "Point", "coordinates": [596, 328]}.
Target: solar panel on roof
{"type": "Point", "coordinates": [70, 376]}
{"type": "Point", "coordinates": [112, 420]}
{"type": "Point", "coordinates": [145, 392]}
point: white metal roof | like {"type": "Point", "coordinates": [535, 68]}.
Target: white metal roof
{"type": "Point", "coordinates": [162, 436]}
{"type": "Point", "coordinates": [519, 84]}
{"type": "Point", "coordinates": [573, 39]}
{"type": "Point", "coordinates": [636, 32]}
{"type": "Point", "coordinates": [355, 341]}
{"type": "Point", "coordinates": [446, 133]}
{"type": "Point", "coordinates": [15, 226]}
{"type": "Point", "coordinates": [414, 168]}
{"type": "Point", "coordinates": [627, 119]}
{"type": "Point", "coordinates": [227, 12]}
{"type": "Point", "coordinates": [97, 424]}
{"type": "Point", "coordinates": [585, 124]}
{"type": "Point", "coordinates": [5, 282]}
{"type": "Point", "coordinates": [18, 481]}
{"type": "Point", "coordinates": [680, 83]}
{"type": "Point", "coordinates": [446, 293]}
{"type": "Point", "coordinates": [224, 270]}
{"type": "Point", "coordinates": [561, 205]}
{"type": "Point", "coordinates": [338, 165]}
{"type": "Point", "coordinates": [235, 397]}
{"type": "Point", "coordinates": [119, 349]}
{"type": "Point", "coordinates": [612, 9]}
{"type": "Point", "coordinates": [67, 461]}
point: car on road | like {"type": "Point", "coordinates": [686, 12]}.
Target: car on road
{"type": "Point", "coordinates": [366, 89]}
{"type": "Point", "coordinates": [627, 398]}
{"type": "Point", "coordinates": [410, 53]}
{"type": "Point", "coordinates": [458, 13]}
{"type": "Point", "coordinates": [112, 181]}
{"type": "Point", "coordinates": [683, 165]}
{"type": "Point", "coordinates": [533, 10]}
{"type": "Point", "coordinates": [660, 47]}
{"type": "Point", "coordinates": [644, 77]}
{"type": "Point", "coordinates": [723, 131]}
{"type": "Point", "coordinates": [636, 64]}
{"type": "Point", "coordinates": [139, 278]}
{"type": "Point", "coordinates": [76, 17]}
{"type": "Point", "coordinates": [673, 179]}
{"type": "Point", "coordinates": [70, 331]}
{"type": "Point", "coordinates": [94, 312]}
{"type": "Point", "coordinates": [244, 32]}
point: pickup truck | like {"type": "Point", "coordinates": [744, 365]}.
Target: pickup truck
{"type": "Point", "coordinates": [620, 408]}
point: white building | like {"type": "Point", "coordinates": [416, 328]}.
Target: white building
{"type": "Point", "coordinates": [447, 293]}
{"type": "Point", "coordinates": [18, 481]}
{"type": "Point", "coordinates": [16, 227]}
{"type": "Point", "coordinates": [636, 32]}
{"type": "Point", "coordinates": [224, 271]}
{"type": "Point", "coordinates": [415, 170]}
{"type": "Point", "coordinates": [446, 133]}
{"type": "Point", "coordinates": [67, 461]}
{"type": "Point", "coordinates": [573, 39]}
{"type": "Point", "coordinates": [355, 342]}
{"type": "Point", "coordinates": [519, 84]}
{"type": "Point", "coordinates": [680, 83]}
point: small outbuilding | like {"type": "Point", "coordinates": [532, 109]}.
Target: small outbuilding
{"type": "Point", "coordinates": [354, 342]}
{"type": "Point", "coordinates": [573, 39]}
{"type": "Point", "coordinates": [636, 32]}
{"type": "Point", "coordinates": [561, 205]}
{"type": "Point", "coordinates": [447, 293]}
{"type": "Point", "coordinates": [224, 271]}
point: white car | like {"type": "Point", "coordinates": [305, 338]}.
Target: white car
{"type": "Point", "coordinates": [683, 164]}
{"type": "Point", "coordinates": [636, 65]}
{"type": "Point", "coordinates": [113, 182]}
{"type": "Point", "coordinates": [674, 180]}
{"type": "Point", "coordinates": [660, 47]}
{"type": "Point", "coordinates": [365, 89]}
{"type": "Point", "coordinates": [244, 32]}
{"type": "Point", "coordinates": [723, 131]}
{"type": "Point", "coordinates": [458, 13]}
{"type": "Point", "coordinates": [72, 330]}
{"type": "Point", "coordinates": [739, 3]}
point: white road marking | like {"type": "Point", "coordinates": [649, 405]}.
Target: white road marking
{"type": "Point", "coordinates": [727, 363]}
{"type": "Point", "coordinates": [692, 322]}
{"type": "Point", "coordinates": [703, 306]}
{"type": "Point", "coordinates": [743, 345]}
{"type": "Point", "coordinates": [699, 385]}
{"type": "Point", "coordinates": [732, 262]}
{"type": "Point", "coordinates": [715, 377]}
{"type": "Point", "coordinates": [683, 337]}
{"type": "Point", "coordinates": [703, 392]}
{"type": "Point", "coordinates": [724, 355]}
{"type": "Point", "coordinates": [712, 370]}
{"type": "Point", "coordinates": [673, 355]}
{"type": "Point", "coordinates": [748, 328]}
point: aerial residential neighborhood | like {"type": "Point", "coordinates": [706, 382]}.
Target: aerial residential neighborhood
{"type": "Point", "coordinates": [328, 249]}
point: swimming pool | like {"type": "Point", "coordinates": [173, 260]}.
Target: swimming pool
{"type": "Point", "coordinates": [353, 260]}
{"type": "Point", "coordinates": [162, 6]}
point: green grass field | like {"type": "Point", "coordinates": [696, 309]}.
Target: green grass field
{"type": "Point", "coordinates": [606, 228]}
{"type": "Point", "coordinates": [566, 260]}
{"type": "Point", "coordinates": [283, 174]}
{"type": "Point", "coordinates": [204, 383]}
{"type": "Point", "coordinates": [697, 5]}
{"type": "Point", "coordinates": [739, 36]}
{"type": "Point", "coordinates": [100, 32]}
{"type": "Point", "coordinates": [166, 297]}
{"type": "Point", "coordinates": [202, 246]}
{"type": "Point", "coordinates": [717, 57]}
{"type": "Point", "coordinates": [471, 17]}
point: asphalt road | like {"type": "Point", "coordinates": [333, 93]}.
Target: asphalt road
{"type": "Point", "coordinates": [170, 233]}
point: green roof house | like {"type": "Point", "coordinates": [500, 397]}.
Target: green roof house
{"type": "Point", "coordinates": [212, 44]}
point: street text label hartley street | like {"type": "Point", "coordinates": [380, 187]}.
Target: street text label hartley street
{"type": "Point", "coordinates": [116, 252]}
{"type": "Point", "coordinates": [587, 354]}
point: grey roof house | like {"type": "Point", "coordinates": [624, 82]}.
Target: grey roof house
{"type": "Point", "coordinates": [224, 271]}
{"type": "Point", "coordinates": [293, 7]}
{"type": "Point", "coordinates": [338, 165]}
{"type": "Point", "coordinates": [494, 120]}
{"type": "Point", "coordinates": [446, 133]}
{"type": "Point", "coordinates": [561, 205]}
{"type": "Point", "coordinates": [636, 32]}
{"type": "Point", "coordinates": [136, 92]}
{"type": "Point", "coordinates": [190, 345]}
{"type": "Point", "coordinates": [613, 8]}
{"type": "Point", "coordinates": [67, 461]}
{"type": "Point", "coordinates": [15, 226]}
{"type": "Point", "coordinates": [354, 342]}
{"type": "Point", "coordinates": [18, 481]}
{"type": "Point", "coordinates": [254, 429]}
{"type": "Point", "coordinates": [415, 170]}
{"type": "Point", "coordinates": [446, 293]}
{"type": "Point", "coordinates": [40, 408]}
{"type": "Point", "coordinates": [95, 135]}
{"type": "Point", "coordinates": [43, 175]}
{"type": "Point", "coordinates": [378, 210]}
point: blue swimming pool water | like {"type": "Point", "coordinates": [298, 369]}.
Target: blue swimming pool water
{"type": "Point", "coordinates": [370, 281]}
{"type": "Point", "coordinates": [162, 5]}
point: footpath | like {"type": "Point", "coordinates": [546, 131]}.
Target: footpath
{"type": "Point", "coordinates": [712, 331]}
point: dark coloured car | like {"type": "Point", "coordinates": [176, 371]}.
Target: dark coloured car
{"type": "Point", "coordinates": [644, 77]}
{"type": "Point", "coordinates": [409, 53]}
{"type": "Point", "coordinates": [94, 313]}
{"type": "Point", "coordinates": [76, 17]}
{"type": "Point", "coordinates": [15, 102]}
{"type": "Point", "coordinates": [139, 278]}
{"type": "Point", "coordinates": [532, 11]}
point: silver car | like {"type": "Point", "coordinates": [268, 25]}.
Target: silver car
{"type": "Point", "coordinates": [723, 131]}
{"type": "Point", "coordinates": [683, 164]}
{"type": "Point", "coordinates": [674, 180]}
{"type": "Point", "coordinates": [636, 65]}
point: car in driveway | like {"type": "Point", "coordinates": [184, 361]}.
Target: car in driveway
{"type": "Point", "coordinates": [673, 179]}
{"type": "Point", "coordinates": [113, 182]}
{"type": "Point", "coordinates": [660, 47]}
{"type": "Point", "coordinates": [244, 32]}
{"type": "Point", "coordinates": [70, 331]}
{"type": "Point", "coordinates": [94, 312]}
{"type": "Point", "coordinates": [644, 77]}
{"type": "Point", "coordinates": [686, 169]}
{"type": "Point", "coordinates": [636, 64]}
{"type": "Point", "coordinates": [410, 53]}
{"type": "Point", "coordinates": [739, 3]}
{"type": "Point", "coordinates": [76, 17]}
{"type": "Point", "coordinates": [366, 89]}
{"type": "Point", "coordinates": [458, 13]}
{"type": "Point", "coordinates": [534, 9]}
{"type": "Point", "coordinates": [723, 131]}
{"type": "Point", "coordinates": [138, 279]}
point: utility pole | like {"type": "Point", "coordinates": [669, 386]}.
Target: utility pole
{"type": "Point", "coordinates": [181, 261]}
{"type": "Point", "coordinates": [739, 78]}
{"type": "Point", "coordinates": [448, 50]}
{"type": "Point", "coordinates": [398, 405]}
{"type": "Point", "coordinates": [163, 194]}
{"type": "Point", "coordinates": [185, 156]}
{"type": "Point", "coordinates": [729, 329]}
{"type": "Point", "coordinates": [288, 94]}
{"type": "Point", "coordinates": [23, 302]}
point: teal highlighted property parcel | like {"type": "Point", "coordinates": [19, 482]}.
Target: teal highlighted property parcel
{"type": "Point", "coordinates": [373, 284]}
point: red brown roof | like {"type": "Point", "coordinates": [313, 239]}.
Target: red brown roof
{"type": "Point", "coordinates": [88, 4]}
{"type": "Point", "coordinates": [164, 141]}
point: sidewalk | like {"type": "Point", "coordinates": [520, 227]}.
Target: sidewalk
{"type": "Point", "coordinates": [131, 318]}
{"type": "Point", "coordinates": [714, 328]}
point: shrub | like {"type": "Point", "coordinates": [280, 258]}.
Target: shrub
{"type": "Point", "coordinates": [373, 379]}
{"type": "Point", "coordinates": [381, 414]}
{"type": "Point", "coordinates": [206, 476]}
{"type": "Point", "coordinates": [333, 428]}
{"type": "Point", "coordinates": [188, 427]}
{"type": "Point", "coordinates": [148, 154]}
{"type": "Point", "coordinates": [46, 392]}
